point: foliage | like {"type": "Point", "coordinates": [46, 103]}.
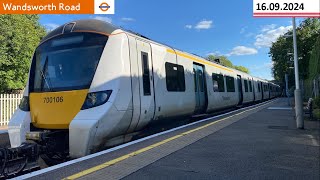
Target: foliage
{"type": "Point", "coordinates": [226, 62]}
{"type": "Point", "coordinates": [317, 102]}
{"type": "Point", "coordinates": [314, 69]}
{"type": "Point", "coordinates": [314, 63]}
{"type": "Point", "coordinates": [316, 113]}
{"type": "Point", "coordinates": [307, 34]}
{"type": "Point", "coordinates": [242, 68]}
{"type": "Point", "coordinates": [19, 35]}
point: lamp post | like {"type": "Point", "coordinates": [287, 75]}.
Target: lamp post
{"type": "Point", "coordinates": [286, 75]}
{"type": "Point", "coordinates": [297, 92]}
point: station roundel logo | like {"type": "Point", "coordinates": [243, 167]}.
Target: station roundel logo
{"type": "Point", "coordinates": [104, 6]}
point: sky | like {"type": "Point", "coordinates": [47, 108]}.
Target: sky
{"type": "Point", "coordinates": [201, 27]}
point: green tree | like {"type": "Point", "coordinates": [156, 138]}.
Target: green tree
{"type": "Point", "coordinates": [307, 33]}
{"type": "Point", "coordinates": [226, 62]}
{"type": "Point", "coordinates": [242, 68]}
{"type": "Point", "coordinates": [314, 70]}
{"type": "Point", "coordinates": [223, 60]}
{"type": "Point", "coordinates": [19, 36]}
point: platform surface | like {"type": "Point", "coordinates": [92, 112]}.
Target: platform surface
{"type": "Point", "coordinates": [265, 145]}
{"type": "Point", "coordinates": [254, 143]}
{"type": "Point", "coordinates": [3, 129]}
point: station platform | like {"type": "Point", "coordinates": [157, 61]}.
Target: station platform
{"type": "Point", "coordinates": [257, 142]}
{"type": "Point", "coordinates": [3, 129]}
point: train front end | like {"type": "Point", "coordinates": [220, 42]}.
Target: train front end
{"type": "Point", "coordinates": [62, 71]}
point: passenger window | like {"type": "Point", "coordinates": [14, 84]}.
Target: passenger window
{"type": "Point", "coordinates": [175, 79]}
{"type": "Point", "coordinates": [146, 74]}
{"type": "Point", "coordinates": [250, 86]}
{"type": "Point", "coordinates": [245, 85]}
{"type": "Point", "coordinates": [259, 89]}
{"type": "Point", "coordinates": [230, 84]}
{"type": "Point", "coordinates": [218, 82]}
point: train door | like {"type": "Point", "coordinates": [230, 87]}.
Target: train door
{"type": "Point", "coordinates": [200, 90]}
{"type": "Point", "coordinates": [262, 90]}
{"type": "Point", "coordinates": [240, 89]}
{"type": "Point", "coordinates": [147, 105]}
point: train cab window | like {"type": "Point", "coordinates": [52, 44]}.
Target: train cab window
{"type": "Point", "coordinates": [218, 82]}
{"type": "Point", "coordinates": [250, 86]}
{"type": "Point", "coordinates": [66, 62]}
{"type": "Point", "coordinates": [230, 84]}
{"type": "Point", "coordinates": [175, 79]}
{"type": "Point", "coordinates": [146, 74]}
{"type": "Point", "coordinates": [246, 86]}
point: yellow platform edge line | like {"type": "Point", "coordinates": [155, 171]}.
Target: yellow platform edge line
{"type": "Point", "coordinates": [197, 59]}
{"type": "Point", "coordinates": [124, 157]}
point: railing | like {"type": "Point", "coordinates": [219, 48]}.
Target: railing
{"type": "Point", "coordinates": [8, 104]}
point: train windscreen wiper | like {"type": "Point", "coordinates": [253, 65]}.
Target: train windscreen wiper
{"type": "Point", "coordinates": [44, 77]}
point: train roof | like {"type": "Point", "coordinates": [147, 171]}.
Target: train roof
{"type": "Point", "coordinates": [93, 25]}
{"type": "Point", "coordinates": [82, 25]}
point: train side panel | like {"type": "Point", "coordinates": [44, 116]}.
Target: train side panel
{"type": "Point", "coordinates": [219, 100]}
{"type": "Point", "coordinates": [187, 104]}
{"type": "Point", "coordinates": [216, 99]}
{"type": "Point", "coordinates": [100, 124]}
{"type": "Point", "coordinates": [169, 103]}
{"type": "Point", "coordinates": [265, 88]}
{"type": "Point", "coordinates": [257, 90]}
{"type": "Point", "coordinates": [247, 94]}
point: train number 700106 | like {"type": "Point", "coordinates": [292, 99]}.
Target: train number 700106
{"type": "Point", "coordinates": [47, 100]}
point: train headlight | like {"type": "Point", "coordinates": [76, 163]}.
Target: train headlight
{"type": "Point", "coordinates": [95, 99]}
{"type": "Point", "coordinates": [24, 104]}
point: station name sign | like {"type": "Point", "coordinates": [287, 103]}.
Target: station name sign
{"type": "Point", "coordinates": [286, 8]}
{"type": "Point", "coordinates": [46, 7]}
{"type": "Point", "coordinates": [57, 7]}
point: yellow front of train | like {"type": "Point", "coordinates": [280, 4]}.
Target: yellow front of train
{"type": "Point", "coordinates": [61, 72]}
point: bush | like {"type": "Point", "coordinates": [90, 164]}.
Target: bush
{"type": "Point", "coordinates": [317, 102]}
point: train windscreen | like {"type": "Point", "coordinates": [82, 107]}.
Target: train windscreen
{"type": "Point", "coordinates": [67, 62]}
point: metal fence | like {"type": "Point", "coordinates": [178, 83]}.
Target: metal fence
{"type": "Point", "coordinates": [8, 104]}
{"type": "Point", "coordinates": [316, 87]}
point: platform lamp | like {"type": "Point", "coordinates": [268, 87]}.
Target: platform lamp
{"type": "Point", "coordinates": [297, 91]}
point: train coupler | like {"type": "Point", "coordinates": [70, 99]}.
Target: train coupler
{"type": "Point", "coordinates": [14, 161]}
